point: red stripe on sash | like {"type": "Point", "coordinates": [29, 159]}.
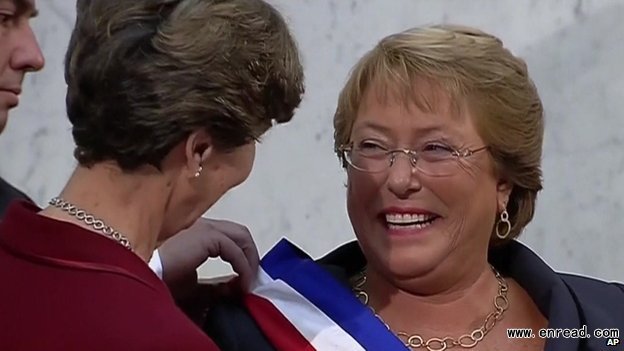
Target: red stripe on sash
{"type": "Point", "coordinates": [280, 332]}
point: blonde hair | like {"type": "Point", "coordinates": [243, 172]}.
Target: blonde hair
{"type": "Point", "coordinates": [472, 67]}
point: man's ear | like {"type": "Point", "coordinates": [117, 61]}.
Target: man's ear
{"type": "Point", "coordinates": [198, 150]}
{"type": "Point", "coordinates": [503, 188]}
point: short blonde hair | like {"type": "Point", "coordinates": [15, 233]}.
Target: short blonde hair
{"type": "Point", "coordinates": [472, 67]}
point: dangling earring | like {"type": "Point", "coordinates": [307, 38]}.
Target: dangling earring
{"type": "Point", "coordinates": [504, 219]}
{"type": "Point", "coordinates": [199, 170]}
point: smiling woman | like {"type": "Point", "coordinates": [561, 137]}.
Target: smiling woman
{"type": "Point", "coordinates": [457, 195]}
{"type": "Point", "coordinates": [440, 132]}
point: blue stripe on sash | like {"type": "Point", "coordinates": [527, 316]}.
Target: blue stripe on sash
{"type": "Point", "coordinates": [293, 266]}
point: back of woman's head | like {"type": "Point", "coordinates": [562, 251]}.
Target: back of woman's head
{"type": "Point", "coordinates": [144, 74]}
{"type": "Point", "coordinates": [476, 71]}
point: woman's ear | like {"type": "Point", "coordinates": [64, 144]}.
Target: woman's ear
{"type": "Point", "coordinates": [503, 189]}
{"type": "Point", "coordinates": [198, 150]}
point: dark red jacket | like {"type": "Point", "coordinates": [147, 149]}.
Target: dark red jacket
{"type": "Point", "coordinates": [66, 288]}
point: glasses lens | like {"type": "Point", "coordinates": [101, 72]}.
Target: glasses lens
{"type": "Point", "coordinates": [368, 162]}
{"type": "Point", "coordinates": [438, 168]}
{"type": "Point", "coordinates": [437, 161]}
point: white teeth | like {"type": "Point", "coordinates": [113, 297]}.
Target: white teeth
{"type": "Point", "coordinates": [410, 226]}
{"type": "Point", "coordinates": [407, 219]}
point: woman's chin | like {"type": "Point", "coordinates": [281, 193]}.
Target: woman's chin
{"type": "Point", "coordinates": [410, 261]}
{"type": "Point", "coordinates": [410, 268]}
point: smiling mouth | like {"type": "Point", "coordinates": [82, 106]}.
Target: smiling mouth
{"type": "Point", "coordinates": [409, 221]}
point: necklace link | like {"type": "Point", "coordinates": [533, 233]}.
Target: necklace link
{"type": "Point", "coordinates": [469, 340]}
{"type": "Point", "coordinates": [91, 221]}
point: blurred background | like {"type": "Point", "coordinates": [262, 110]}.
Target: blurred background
{"type": "Point", "coordinates": [574, 52]}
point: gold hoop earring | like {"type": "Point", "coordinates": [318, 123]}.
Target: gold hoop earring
{"type": "Point", "coordinates": [504, 219]}
{"type": "Point", "coordinates": [199, 170]}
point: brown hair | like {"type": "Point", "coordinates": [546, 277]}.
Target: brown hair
{"type": "Point", "coordinates": [471, 66]}
{"type": "Point", "coordinates": [143, 74]}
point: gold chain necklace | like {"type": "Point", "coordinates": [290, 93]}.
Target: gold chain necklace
{"type": "Point", "coordinates": [91, 221]}
{"type": "Point", "coordinates": [469, 340]}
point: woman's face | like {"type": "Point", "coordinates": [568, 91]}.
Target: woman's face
{"type": "Point", "coordinates": [408, 221]}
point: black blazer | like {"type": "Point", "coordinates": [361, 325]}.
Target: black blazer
{"type": "Point", "coordinates": [7, 194]}
{"type": "Point", "coordinates": [567, 301]}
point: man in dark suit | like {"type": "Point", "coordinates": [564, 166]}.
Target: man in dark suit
{"type": "Point", "coordinates": [19, 54]}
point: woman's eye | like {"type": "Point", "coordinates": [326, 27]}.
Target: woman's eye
{"type": "Point", "coordinates": [437, 148]}
{"type": "Point", "coordinates": [368, 146]}
{"type": "Point", "coordinates": [6, 17]}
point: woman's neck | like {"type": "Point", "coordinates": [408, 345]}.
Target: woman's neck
{"type": "Point", "coordinates": [459, 305]}
{"type": "Point", "coordinates": [133, 204]}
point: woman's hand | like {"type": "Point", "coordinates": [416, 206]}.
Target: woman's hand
{"type": "Point", "coordinates": [182, 254]}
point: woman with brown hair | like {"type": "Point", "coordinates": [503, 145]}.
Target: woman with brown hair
{"type": "Point", "coordinates": [166, 99]}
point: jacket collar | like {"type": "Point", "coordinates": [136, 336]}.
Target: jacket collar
{"type": "Point", "coordinates": [43, 240]}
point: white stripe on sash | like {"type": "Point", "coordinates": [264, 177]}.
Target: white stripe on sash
{"type": "Point", "coordinates": [320, 330]}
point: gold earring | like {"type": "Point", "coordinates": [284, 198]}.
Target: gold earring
{"type": "Point", "coordinates": [504, 219]}
{"type": "Point", "coordinates": [199, 170]}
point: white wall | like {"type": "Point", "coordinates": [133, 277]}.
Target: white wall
{"type": "Point", "coordinates": [574, 51]}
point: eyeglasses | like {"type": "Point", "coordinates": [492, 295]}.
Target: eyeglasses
{"type": "Point", "coordinates": [433, 159]}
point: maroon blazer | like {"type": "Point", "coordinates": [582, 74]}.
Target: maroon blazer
{"type": "Point", "coordinates": [66, 288]}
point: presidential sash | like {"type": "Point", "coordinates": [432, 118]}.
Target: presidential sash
{"type": "Point", "coordinates": [300, 306]}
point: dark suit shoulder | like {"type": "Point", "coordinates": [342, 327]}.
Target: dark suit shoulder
{"type": "Point", "coordinates": [7, 195]}
{"type": "Point", "coordinates": [601, 302]}
{"type": "Point", "coordinates": [583, 282]}
{"type": "Point", "coordinates": [230, 325]}
{"type": "Point", "coordinates": [232, 328]}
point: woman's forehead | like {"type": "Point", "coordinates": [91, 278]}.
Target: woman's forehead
{"type": "Point", "coordinates": [428, 111]}
{"type": "Point", "coordinates": [418, 95]}
{"type": "Point", "coordinates": [429, 104]}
